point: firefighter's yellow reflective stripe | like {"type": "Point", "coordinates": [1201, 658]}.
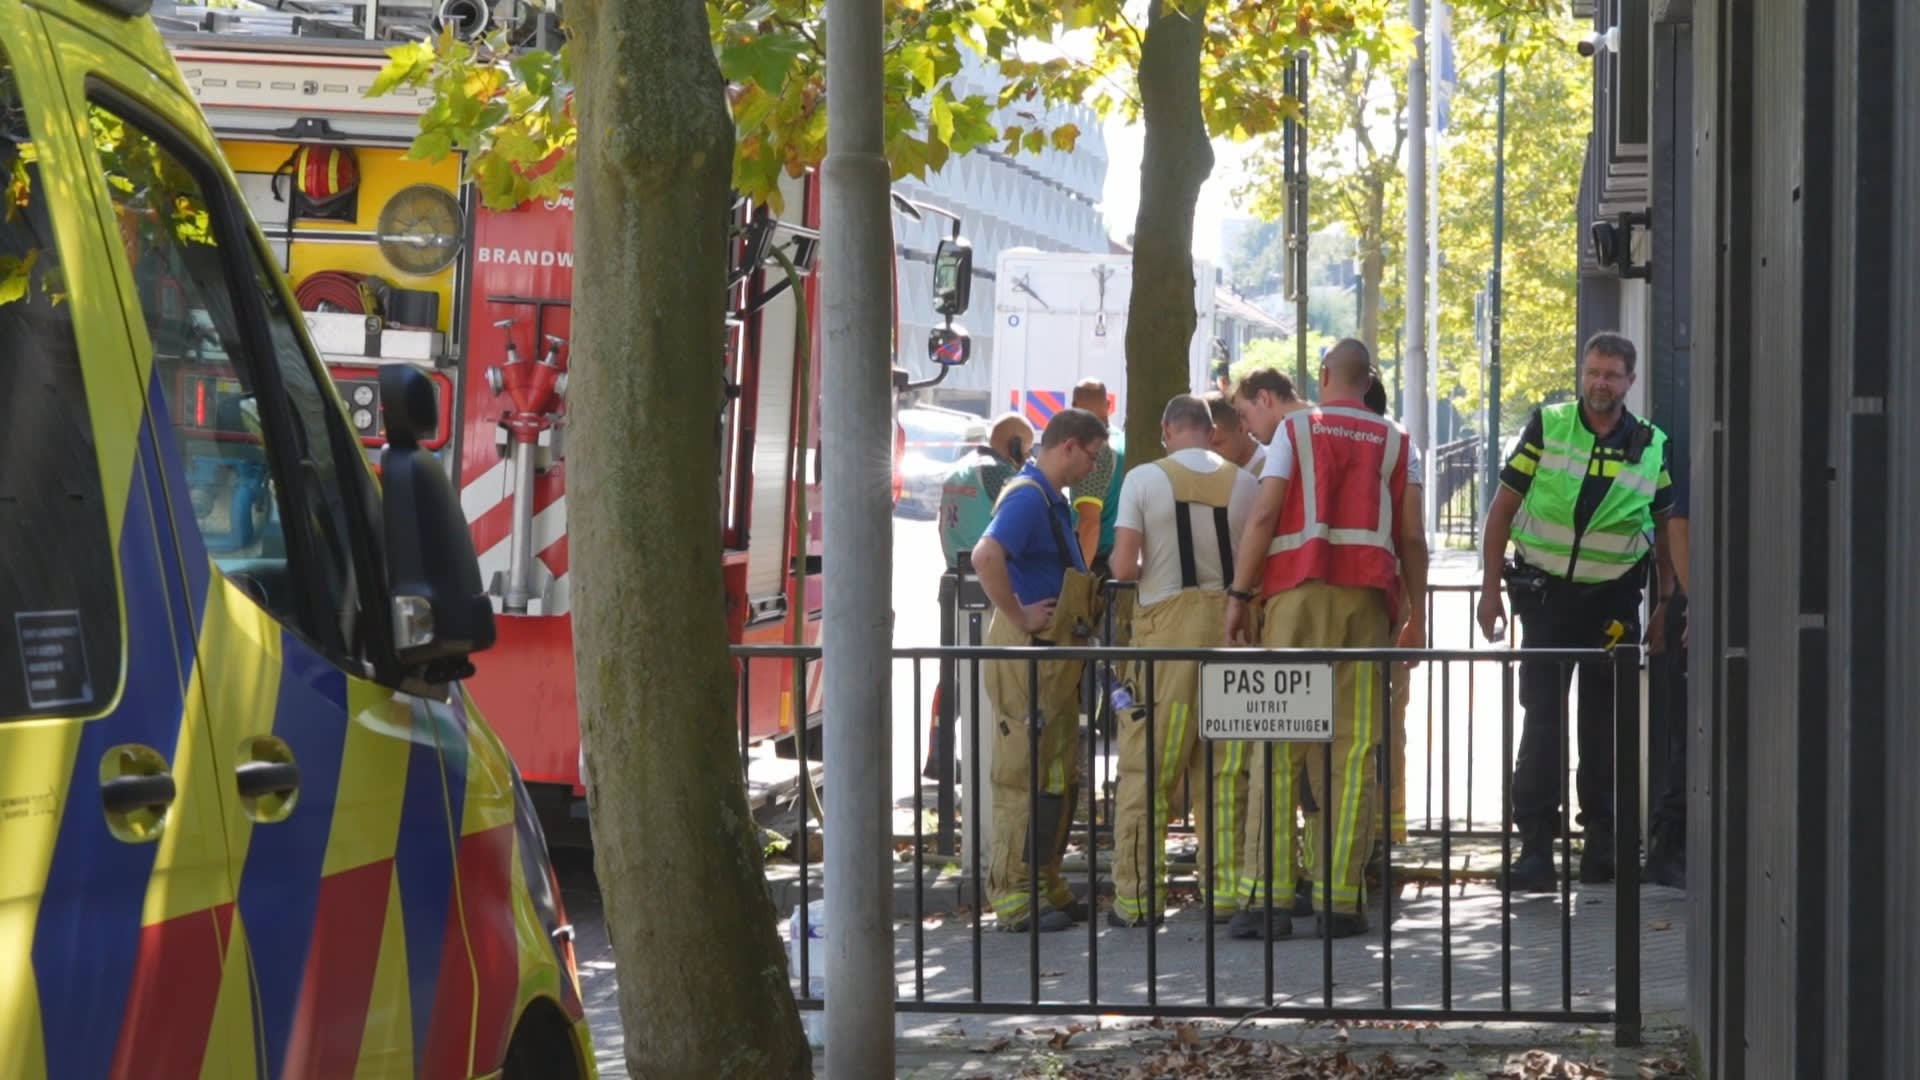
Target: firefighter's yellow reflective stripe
{"type": "Point", "coordinates": [1011, 906]}
{"type": "Point", "coordinates": [390, 1011]}
{"type": "Point", "coordinates": [1277, 830]}
{"type": "Point", "coordinates": [1226, 817]}
{"type": "Point", "coordinates": [230, 1043]}
{"type": "Point", "coordinates": [1346, 828]}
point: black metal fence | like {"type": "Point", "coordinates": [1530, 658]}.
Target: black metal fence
{"type": "Point", "coordinates": [955, 960]}
{"type": "Point", "coordinates": [1456, 469]}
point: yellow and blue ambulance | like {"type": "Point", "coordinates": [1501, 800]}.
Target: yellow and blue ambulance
{"type": "Point", "coordinates": [250, 826]}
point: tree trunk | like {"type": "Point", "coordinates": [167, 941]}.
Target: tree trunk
{"type": "Point", "coordinates": [1177, 160]}
{"type": "Point", "coordinates": [1373, 262]}
{"type": "Point", "coordinates": [703, 976]}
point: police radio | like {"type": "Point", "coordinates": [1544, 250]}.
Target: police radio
{"type": "Point", "coordinates": [1638, 442]}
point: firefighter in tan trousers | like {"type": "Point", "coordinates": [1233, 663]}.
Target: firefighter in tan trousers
{"type": "Point", "coordinates": [1174, 535]}
{"type": "Point", "coordinates": [1336, 547]}
{"type": "Point", "coordinates": [1033, 570]}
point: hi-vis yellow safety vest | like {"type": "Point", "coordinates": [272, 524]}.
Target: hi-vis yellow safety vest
{"type": "Point", "coordinates": [1621, 532]}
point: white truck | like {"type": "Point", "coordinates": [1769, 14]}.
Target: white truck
{"type": "Point", "coordinates": [1062, 317]}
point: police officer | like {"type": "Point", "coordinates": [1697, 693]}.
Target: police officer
{"type": "Point", "coordinates": [1584, 498]}
{"type": "Point", "coordinates": [969, 492]}
{"type": "Point", "coordinates": [1033, 571]}
{"type": "Point", "coordinates": [1174, 535]}
{"type": "Point", "coordinates": [1334, 540]}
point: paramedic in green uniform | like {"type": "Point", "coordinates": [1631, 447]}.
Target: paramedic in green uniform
{"type": "Point", "coordinates": [971, 489]}
{"type": "Point", "coordinates": [1096, 499]}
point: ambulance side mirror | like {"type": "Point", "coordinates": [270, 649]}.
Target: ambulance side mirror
{"type": "Point", "coordinates": [441, 614]}
{"type": "Point", "coordinates": [953, 276]}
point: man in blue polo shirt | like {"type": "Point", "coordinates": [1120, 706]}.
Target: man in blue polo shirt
{"type": "Point", "coordinates": [1031, 566]}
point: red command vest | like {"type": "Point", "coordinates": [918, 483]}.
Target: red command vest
{"type": "Point", "coordinates": [1342, 509]}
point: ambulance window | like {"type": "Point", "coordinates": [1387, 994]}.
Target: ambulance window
{"type": "Point", "coordinates": [59, 604]}
{"type": "Point", "coordinates": [265, 508]}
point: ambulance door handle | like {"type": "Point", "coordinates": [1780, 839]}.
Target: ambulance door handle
{"type": "Point", "coordinates": [140, 791]}
{"type": "Point", "coordinates": [261, 778]}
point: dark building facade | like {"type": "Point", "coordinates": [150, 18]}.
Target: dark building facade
{"type": "Point", "coordinates": [1778, 167]}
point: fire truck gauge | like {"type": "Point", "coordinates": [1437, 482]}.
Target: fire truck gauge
{"type": "Point", "coordinates": [419, 229]}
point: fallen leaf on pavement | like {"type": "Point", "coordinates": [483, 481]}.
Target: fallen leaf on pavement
{"type": "Point", "coordinates": [995, 1046]}
{"type": "Point", "coordinates": [1187, 1035]}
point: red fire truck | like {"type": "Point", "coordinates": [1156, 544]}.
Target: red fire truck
{"type": "Point", "coordinates": [396, 261]}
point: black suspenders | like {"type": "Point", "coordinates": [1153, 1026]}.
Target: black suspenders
{"type": "Point", "coordinates": [1183, 524]}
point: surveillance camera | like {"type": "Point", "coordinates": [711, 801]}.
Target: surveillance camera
{"type": "Point", "coordinates": [1594, 42]}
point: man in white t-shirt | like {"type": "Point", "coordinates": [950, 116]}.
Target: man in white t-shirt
{"type": "Point", "coordinates": [1174, 534]}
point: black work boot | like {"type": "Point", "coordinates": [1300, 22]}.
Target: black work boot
{"type": "Point", "coordinates": [1532, 872]}
{"type": "Point", "coordinates": [1252, 923]}
{"type": "Point", "coordinates": [1342, 924]}
{"type": "Point", "coordinates": [1596, 855]}
{"type": "Point", "coordinates": [1666, 861]}
{"type": "Point", "coordinates": [1303, 898]}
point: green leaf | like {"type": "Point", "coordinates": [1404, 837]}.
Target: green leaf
{"type": "Point", "coordinates": [16, 274]}
{"type": "Point", "coordinates": [765, 59]}
{"type": "Point", "coordinates": [917, 61]}
{"type": "Point", "coordinates": [431, 146]}
{"type": "Point", "coordinates": [406, 65]}
{"type": "Point", "coordinates": [941, 114]}
{"type": "Point", "coordinates": [536, 71]}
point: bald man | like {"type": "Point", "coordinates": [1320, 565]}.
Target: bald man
{"type": "Point", "coordinates": [1334, 571]}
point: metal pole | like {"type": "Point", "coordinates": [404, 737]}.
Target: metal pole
{"type": "Point", "coordinates": [1301, 220]}
{"type": "Point", "coordinates": [1495, 286]}
{"type": "Point", "coordinates": [1290, 138]}
{"type": "Point", "coordinates": [1436, 14]}
{"type": "Point", "coordinates": [520, 552]}
{"type": "Point", "coordinates": [857, 253]}
{"type": "Point", "coordinates": [1414, 404]}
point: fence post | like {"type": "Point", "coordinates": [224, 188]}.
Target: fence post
{"type": "Point", "coordinates": [1626, 845]}
{"type": "Point", "coordinates": [948, 693]}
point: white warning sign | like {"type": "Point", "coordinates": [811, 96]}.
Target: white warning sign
{"type": "Point", "coordinates": [55, 658]}
{"type": "Point", "coordinates": [1276, 702]}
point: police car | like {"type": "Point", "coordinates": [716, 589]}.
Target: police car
{"type": "Point", "coordinates": [249, 823]}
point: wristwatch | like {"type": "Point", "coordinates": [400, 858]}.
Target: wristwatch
{"type": "Point", "coordinates": [1241, 595]}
